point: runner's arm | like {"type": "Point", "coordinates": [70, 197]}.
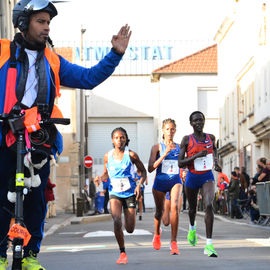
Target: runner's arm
{"type": "Point", "coordinates": [136, 160]}
{"type": "Point", "coordinates": [105, 174]}
{"type": "Point", "coordinates": [182, 161]}
{"type": "Point", "coordinates": [153, 162]}
{"type": "Point", "coordinates": [215, 154]}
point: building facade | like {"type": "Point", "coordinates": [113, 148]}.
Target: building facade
{"type": "Point", "coordinates": [6, 27]}
{"type": "Point", "coordinates": [243, 42]}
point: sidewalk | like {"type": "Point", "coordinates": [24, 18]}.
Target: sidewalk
{"type": "Point", "coordinates": [54, 223]}
{"type": "Point", "coordinates": [63, 219]}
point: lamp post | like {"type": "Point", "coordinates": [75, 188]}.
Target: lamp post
{"type": "Point", "coordinates": [83, 30]}
{"type": "Point", "coordinates": [88, 171]}
{"type": "Point", "coordinates": [81, 150]}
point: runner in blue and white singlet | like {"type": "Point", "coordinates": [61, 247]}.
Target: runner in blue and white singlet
{"type": "Point", "coordinates": [122, 175]}
{"type": "Point", "coordinates": [123, 190]}
{"type": "Point", "coordinates": [164, 159]}
{"type": "Point", "coordinates": [167, 174]}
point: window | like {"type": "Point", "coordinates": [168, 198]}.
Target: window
{"type": "Point", "coordinates": [207, 98]}
{"type": "Point", "coordinates": [247, 159]}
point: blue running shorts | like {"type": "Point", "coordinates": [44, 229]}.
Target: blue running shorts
{"type": "Point", "coordinates": [196, 181]}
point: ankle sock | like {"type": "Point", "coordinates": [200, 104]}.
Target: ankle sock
{"type": "Point", "coordinates": [208, 241]}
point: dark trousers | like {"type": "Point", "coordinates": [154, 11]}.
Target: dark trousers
{"type": "Point", "coordinates": [254, 214]}
{"type": "Point", "coordinates": [235, 209]}
{"type": "Point", "coordinates": [34, 205]}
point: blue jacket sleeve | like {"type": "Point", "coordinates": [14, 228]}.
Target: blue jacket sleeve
{"type": "Point", "coordinates": [75, 76]}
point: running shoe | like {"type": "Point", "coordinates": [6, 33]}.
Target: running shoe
{"type": "Point", "coordinates": [156, 241]}
{"type": "Point", "coordinates": [210, 251]}
{"type": "Point", "coordinates": [122, 259]}
{"type": "Point", "coordinates": [192, 237]}
{"type": "Point", "coordinates": [3, 263]}
{"type": "Point", "coordinates": [31, 263]}
{"type": "Point", "coordinates": [174, 248]}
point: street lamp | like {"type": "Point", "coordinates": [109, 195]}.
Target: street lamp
{"type": "Point", "coordinates": [88, 171]}
{"type": "Point", "coordinates": [83, 30]}
{"type": "Point", "coordinates": [81, 152]}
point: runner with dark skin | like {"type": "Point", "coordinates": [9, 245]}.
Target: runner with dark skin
{"type": "Point", "coordinates": [120, 142]}
{"type": "Point", "coordinates": [197, 122]}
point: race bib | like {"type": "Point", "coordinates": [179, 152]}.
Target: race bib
{"type": "Point", "coordinates": [204, 163]}
{"type": "Point", "coordinates": [170, 166]}
{"type": "Point", "coordinates": [120, 184]}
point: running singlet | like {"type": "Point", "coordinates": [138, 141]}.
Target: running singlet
{"type": "Point", "coordinates": [122, 175]}
{"type": "Point", "coordinates": [195, 146]}
{"type": "Point", "coordinates": [168, 169]}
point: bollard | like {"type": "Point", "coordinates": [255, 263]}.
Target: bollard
{"type": "Point", "coordinates": [80, 207]}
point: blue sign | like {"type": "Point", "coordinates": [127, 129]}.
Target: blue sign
{"type": "Point", "coordinates": [132, 53]}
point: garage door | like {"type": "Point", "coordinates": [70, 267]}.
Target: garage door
{"type": "Point", "coordinates": [100, 142]}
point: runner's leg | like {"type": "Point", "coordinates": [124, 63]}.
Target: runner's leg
{"type": "Point", "coordinates": [140, 203]}
{"type": "Point", "coordinates": [175, 194]}
{"type": "Point", "coordinates": [130, 219]}
{"type": "Point", "coordinates": [192, 202]}
{"type": "Point", "coordinates": [116, 211]}
{"type": "Point", "coordinates": [159, 198]}
{"type": "Point", "coordinates": [208, 192]}
{"type": "Point", "coordinates": [166, 213]}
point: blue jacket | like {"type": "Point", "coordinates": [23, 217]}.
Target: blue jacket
{"type": "Point", "coordinates": [71, 75]}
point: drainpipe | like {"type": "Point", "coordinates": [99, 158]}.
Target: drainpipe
{"type": "Point", "coordinates": [2, 24]}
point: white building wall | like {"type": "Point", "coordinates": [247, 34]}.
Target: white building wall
{"type": "Point", "coordinates": [179, 98]}
{"type": "Point", "coordinates": [243, 61]}
{"type": "Point", "coordinates": [262, 84]}
{"type": "Point", "coordinates": [124, 96]}
{"type": "Point", "coordinates": [6, 27]}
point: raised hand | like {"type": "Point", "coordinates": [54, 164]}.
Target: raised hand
{"type": "Point", "coordinates": [121, 40]}
{"type": "Point", "coordinates": [169, 147]}
{"type": "Point", "coordinates": [203, 153]}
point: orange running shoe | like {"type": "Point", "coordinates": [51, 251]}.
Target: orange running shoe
{"type": "Point", "coordinates": [174, 248]}
{"type": "Point", "coordinates": [156, 241]}
{"type": "Point", "coordinates": [122, 259]}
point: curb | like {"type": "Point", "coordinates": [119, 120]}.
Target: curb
{"type": "Point", "coordinates": [90, 219]}
{"type": "Point", "coordinates": [55, 227]}
{"type": "Point", "coordinates": [76, 220]}
{"type": "Point", "coordinates": [223, 219]}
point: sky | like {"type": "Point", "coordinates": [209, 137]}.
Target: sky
{"type": "Point", "coordinates": [148, 19]}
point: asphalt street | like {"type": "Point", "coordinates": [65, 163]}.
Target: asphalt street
{"type": "Point", "coordinates": [92, 246]}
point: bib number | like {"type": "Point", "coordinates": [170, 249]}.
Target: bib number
{"type": "Point", "coordinates": [120, 184]}
{"type": "Point", "coordinates": [204, 163]}
{"type": "Point", "coordinates": [170, 167]}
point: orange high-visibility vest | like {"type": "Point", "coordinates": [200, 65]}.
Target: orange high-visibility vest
{"type": "Point", "coordinates": [31, 115]}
